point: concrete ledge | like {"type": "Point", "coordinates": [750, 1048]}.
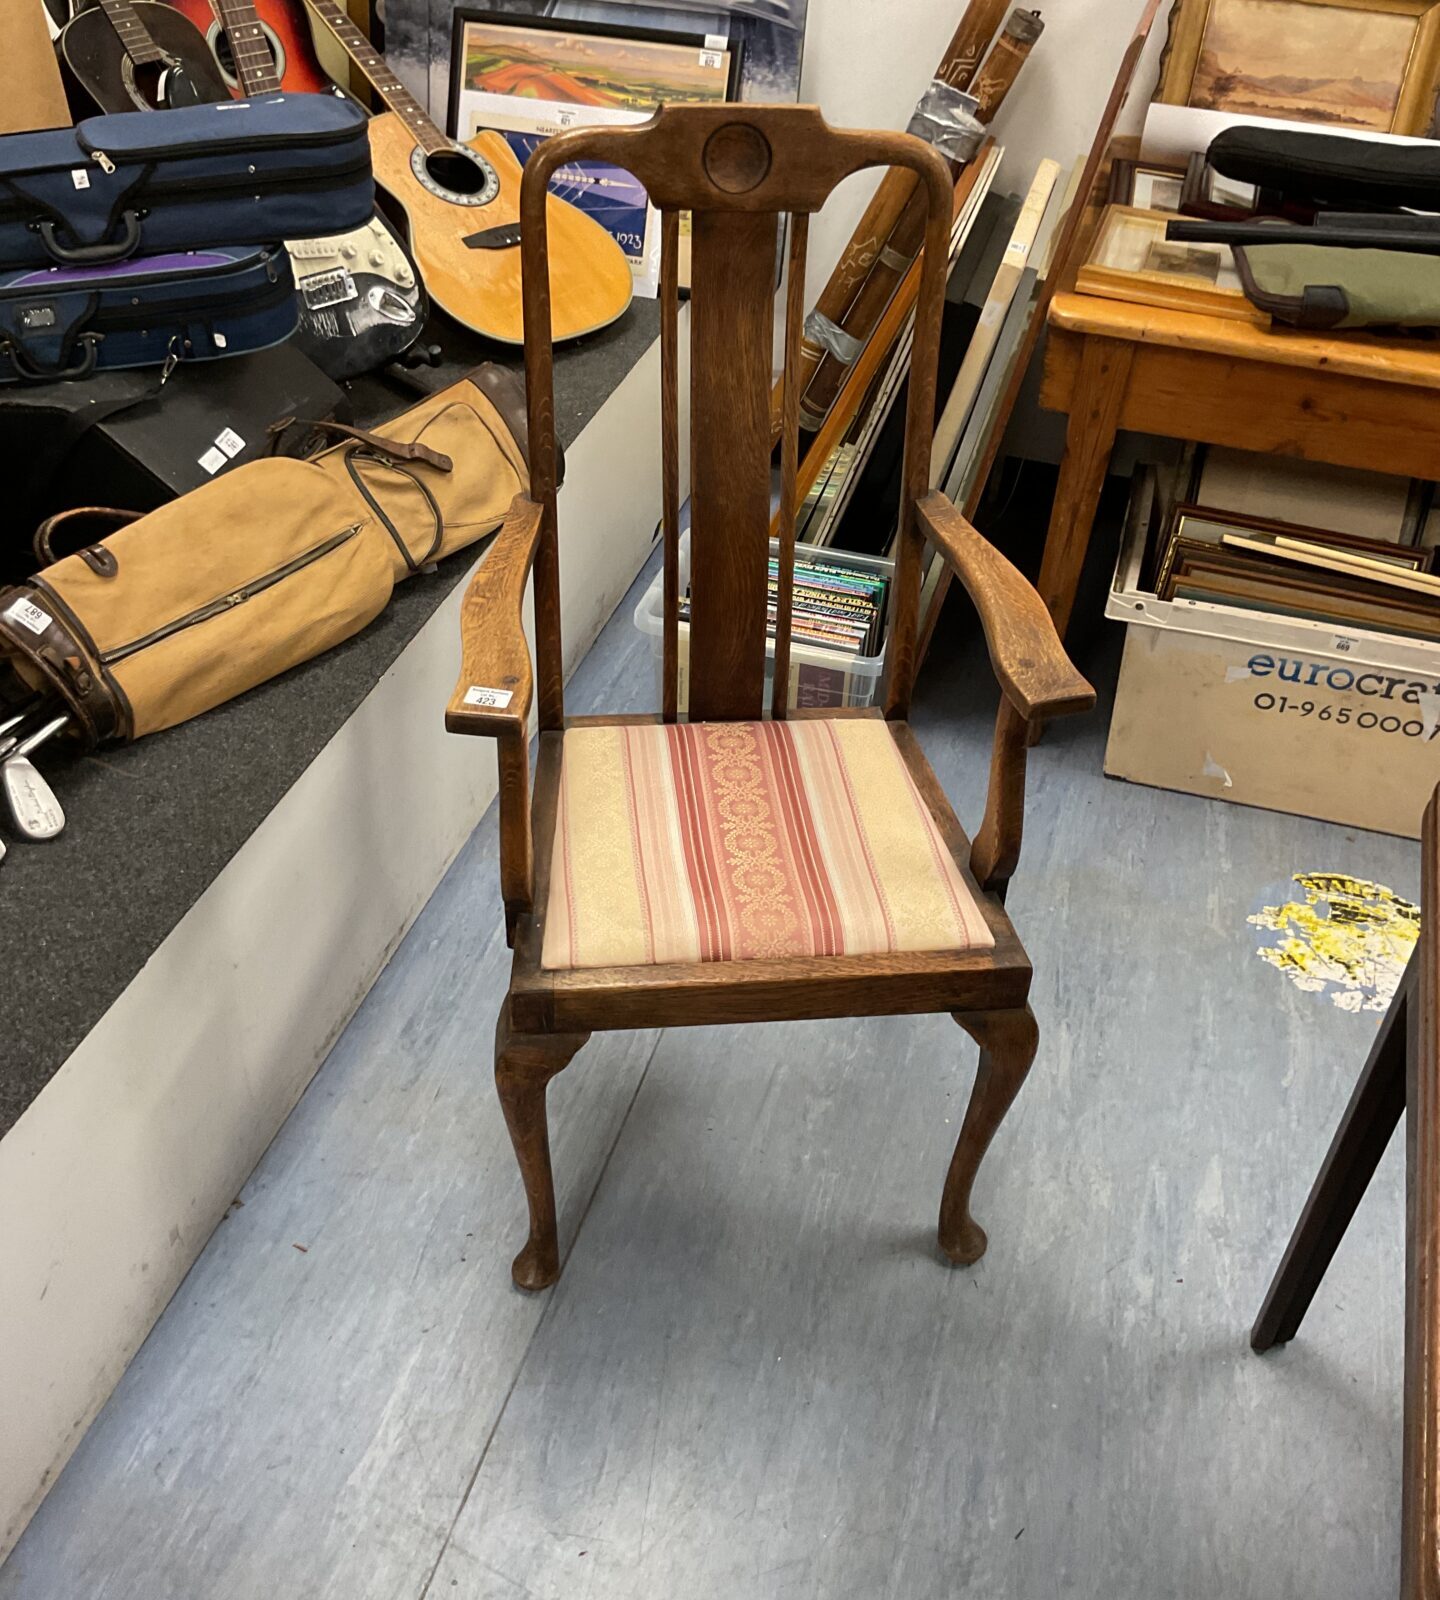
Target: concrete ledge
{"type": "Point", "coordinates": [117, 1173]}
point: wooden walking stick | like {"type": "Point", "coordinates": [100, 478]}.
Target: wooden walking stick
{"type": "Point", "coordinates": [891, 262]}
{"type": "Point", "coordinates": [957, 70]}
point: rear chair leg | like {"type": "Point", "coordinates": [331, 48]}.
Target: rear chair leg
{"type": "Point", "coordinates": [1007, 1041]}
{"type": "Point", "coordinates": [524, 1066]}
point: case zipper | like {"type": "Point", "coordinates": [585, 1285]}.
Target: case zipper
{"type": "Point", "coordinates": [228, 602]}
{"type": "Point", "coordinates": [295, 181]}
{"type": "Point", "coordinates": [219, 146]}
{"type": "Point", "coordinates": [274, 293]}
{"type": "Point", "coordinates": [183, 190]}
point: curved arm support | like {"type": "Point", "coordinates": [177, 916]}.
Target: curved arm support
{"type": "Point", "coordinates": [492, 697]}
{"type": "Point", "coordinates": [1036, 677]}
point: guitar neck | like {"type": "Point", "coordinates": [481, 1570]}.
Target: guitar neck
{"type": "Point", "coordinates": [254, 64]}
{"type": "Point", "coordinates": [377, 71]}
{"type": "Point", "coordinates": [134, 35]}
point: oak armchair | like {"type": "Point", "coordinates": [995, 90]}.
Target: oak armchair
{"type": "Point", "coordinates": [727, 866]}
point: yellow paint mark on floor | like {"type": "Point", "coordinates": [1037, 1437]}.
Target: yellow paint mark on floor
{"type": "Point", "coordinates": [1347, 935]}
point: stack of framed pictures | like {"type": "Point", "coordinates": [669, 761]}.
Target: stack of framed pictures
{"type": "Point", "coordinates": [1368, 566]}
{"type": "Point", "coordinates": [530, 77]}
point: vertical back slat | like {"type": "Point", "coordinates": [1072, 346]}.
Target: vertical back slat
{"type": "Point", "coordinates": [670, 451]}
{"type": "Point", "coordinates": [544, 470]}
{"type": "Point", "coordinates": [789, 462]}
{"type": "Point", "coordinates": [732, 316]}
{"type": "Point", "coordinates": [919, 438]}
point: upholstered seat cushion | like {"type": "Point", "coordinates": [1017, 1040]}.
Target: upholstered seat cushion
{"type": "Point", "coordinates": [743, 841]}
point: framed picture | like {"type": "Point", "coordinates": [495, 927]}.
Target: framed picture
{"type": "Point", "coordinates": [1363, 64]}
{"type": "Point", "coordinates": [1131, 259]}
{"type": "Point", "coordinates": [1206, 193]}
{"type": "Point", "coordinates": [532, 77]}
{"type": "Point", "coordinates": [1147, 186]}
{"type": "Point", "coordinates": [1194, 531]}
{"type": "Point", "coordinates": [1364, 505]}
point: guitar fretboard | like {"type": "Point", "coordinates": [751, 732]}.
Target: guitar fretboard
{"type": "Point", "coordinates": [377, 71]}
{"type": "Point", "coordinates": [134, 35]}
{"type": "Point", "coordinates": [254, 63]}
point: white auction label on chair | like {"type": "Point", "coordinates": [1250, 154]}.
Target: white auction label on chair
{"type": "Point", "coordinates": [497, 699]}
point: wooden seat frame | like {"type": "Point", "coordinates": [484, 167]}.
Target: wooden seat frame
{"type": "Point", "coordinates": [1401, 1077]}
{"type": "Point", "coordinates": [737, 169]}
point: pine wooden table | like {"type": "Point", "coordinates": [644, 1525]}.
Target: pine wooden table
{"type": "Point", "coordinates": [1347, 399]}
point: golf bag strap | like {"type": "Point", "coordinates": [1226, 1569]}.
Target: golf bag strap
{"type": "Point", "coordinates": [90, 517]}
{"type": "Point", "coordinates": [385, 449]}
{"type": "Point", "coordinates": [425, 563]}
{"type": "Point", "coordinates": [57, 657]}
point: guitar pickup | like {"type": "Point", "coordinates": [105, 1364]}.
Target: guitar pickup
{"type": "Point", "coordinates": [503, 237]}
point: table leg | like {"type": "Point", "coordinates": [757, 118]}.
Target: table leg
{"type": "Point", "coordinates": [1089, 440]}
{"type": "Point", "coordinates": [1376, 1105]}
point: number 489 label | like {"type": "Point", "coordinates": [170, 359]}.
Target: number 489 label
{"type": "Point", "coordinates": [29, 615]}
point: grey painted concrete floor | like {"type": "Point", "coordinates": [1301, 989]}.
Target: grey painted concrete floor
{"type": "Point", "coordinates": [756, 1379]}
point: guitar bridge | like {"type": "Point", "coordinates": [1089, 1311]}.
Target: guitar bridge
{"type": "Point", "coordinates": [328, 289]}
{"type": "Point", "coordinates": [502, 237]}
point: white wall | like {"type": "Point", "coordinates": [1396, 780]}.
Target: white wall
{"type": "Point", "coordinates": [867, 62]}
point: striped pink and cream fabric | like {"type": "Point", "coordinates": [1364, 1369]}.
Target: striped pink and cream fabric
{"type": "Point", "coordinates": [728, 841]}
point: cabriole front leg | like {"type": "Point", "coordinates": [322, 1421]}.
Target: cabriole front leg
{"type": "Point", "coordinates": [1007, 1041]}
{"type": "Point", "coordinates": [524, 1066]}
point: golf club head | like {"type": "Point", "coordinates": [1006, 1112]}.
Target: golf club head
{"type": "Point", "coordinates": [34, 810]}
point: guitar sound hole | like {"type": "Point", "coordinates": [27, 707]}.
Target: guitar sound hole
{"type": "Point", "coordinates": [225, 56]}
{"type": "Point", "coordinates": [452, 171]}
{"type": "Point", "coordinates": [146, 84]}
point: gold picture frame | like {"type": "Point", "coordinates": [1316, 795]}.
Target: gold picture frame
{"type": "Point", "coordinates": [1130, 259]}
{"type": "Point", "coordinates": [1369, 65]}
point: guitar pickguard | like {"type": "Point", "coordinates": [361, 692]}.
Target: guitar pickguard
{"type": "Point", "coordinates": [361, 303]}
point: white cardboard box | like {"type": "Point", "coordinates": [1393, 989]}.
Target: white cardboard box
{"type": "Point", "coordinates": [1286, 713]}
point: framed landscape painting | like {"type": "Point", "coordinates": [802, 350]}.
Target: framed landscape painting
{"type": "Point", "coordinates": [532, 78]}
{"type": "Point", "coordinates": [1369, 65]}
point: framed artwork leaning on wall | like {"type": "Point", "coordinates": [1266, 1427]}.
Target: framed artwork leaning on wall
{"type": "Point", "coordinates": [1366, 65]}
{"type": "Point", "coordinates": [531, 77]}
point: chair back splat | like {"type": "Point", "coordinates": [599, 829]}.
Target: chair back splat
{"type": "Point", "coordinates": [737, 169]}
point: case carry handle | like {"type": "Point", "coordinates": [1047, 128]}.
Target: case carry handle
{"type": "Point", "coordinates": [31, 371]}
{"type": "Point", "coordinates": [79, 255]}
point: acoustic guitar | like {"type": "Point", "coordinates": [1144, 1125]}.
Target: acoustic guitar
{"type": "Point", "coordinates": [143, 56]}
{"type": "Point", "coordinates": [284, 38]}
{"type": "Point", "coordinates": [361, 300]}
{"type": "Point", "coordinates": [462, 210]}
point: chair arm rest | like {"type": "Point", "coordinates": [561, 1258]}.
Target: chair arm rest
{"type": "Point", "coordinates": [1025, 650]}
{"type": "Point", "coordinates": [492, 696]}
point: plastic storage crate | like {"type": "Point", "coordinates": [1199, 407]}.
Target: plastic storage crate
{"type": "Point", "coordinates": [819, 678]}
{"type": "Point", "coordinates": [1289, 713]}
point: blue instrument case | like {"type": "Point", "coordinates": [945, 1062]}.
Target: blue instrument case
{"type": "Point", "coordinates": [67, 322]}
{"type": "Point", "coordinates": [240, 172]}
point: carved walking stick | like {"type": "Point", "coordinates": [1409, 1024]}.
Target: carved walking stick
{"type": "Point", "coordinates": [892, 260]}
{"type": "Point", "coordinates": [957, 70]}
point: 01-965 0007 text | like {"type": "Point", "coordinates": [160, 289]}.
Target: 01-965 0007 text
{"type": "Point", "coordinates": [1347, 716]}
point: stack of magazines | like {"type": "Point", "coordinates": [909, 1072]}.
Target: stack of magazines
{"type": "Point", "coordinates": [833, 607]}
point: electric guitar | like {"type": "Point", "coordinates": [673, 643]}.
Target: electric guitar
{"type": "Point", "coordinates": [284, 38]}
{"type": "Point", "coordinates": [462, 209]}
{"type": "Point", "coordinates": [361, 300]}
{"type": "Point", "coordinates": [141, 56]}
